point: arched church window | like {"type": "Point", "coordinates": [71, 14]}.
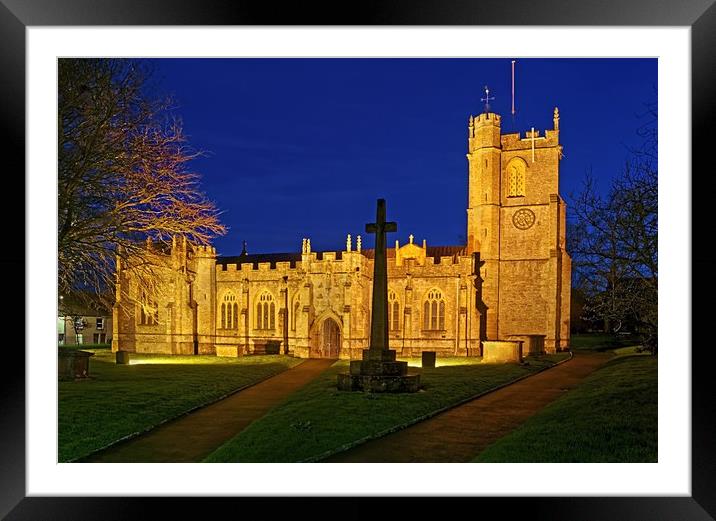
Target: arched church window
{"type": "Point", "coordinates": [516, 178]}
{"type": "Point", "coordinates": [148, 311]}
{"type": "Point", "coordinates": [434, 311]}
{"type": "Point", "coordinates": [265, 311]}
{"type": "Point", "coordinates": [229, 312]}
{"type": "Point", "coordinates": [393, 311]}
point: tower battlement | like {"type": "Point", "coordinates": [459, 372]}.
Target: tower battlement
{"type": "Point", "coordinates": [488, 118]}
{"type": "Point", "coordinates": [204, 251]}
{"type": "Point", "coordinates": [484, 131]}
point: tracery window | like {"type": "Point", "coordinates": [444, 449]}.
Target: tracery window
{"type": "Point", "coordinates": [516, 178]}
{"type": "Point", "coordinates": [434, 311]}
{"type": "Point", "coordinates": [265, 311]}
{"type": "Point", "coordinates": [148, 311]}
{"type": "Point", "coordinates": [393, 311]}
{"type": "Point", "coordinates": [229, 312]}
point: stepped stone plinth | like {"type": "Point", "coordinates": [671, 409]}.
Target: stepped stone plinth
{"type": "Point", "coordinates": [378, 375]}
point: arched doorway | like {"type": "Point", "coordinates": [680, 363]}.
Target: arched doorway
{"type": "Point", "coordinates": [330, 339]}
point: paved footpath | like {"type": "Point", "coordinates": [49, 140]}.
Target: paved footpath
{"type": "Point", "coordinates": [194, 436]}
{"type": "Point", "coordinates": [460, 434]}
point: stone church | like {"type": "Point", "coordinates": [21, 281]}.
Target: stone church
{"type": "Point", "coordinates": [511, 280]}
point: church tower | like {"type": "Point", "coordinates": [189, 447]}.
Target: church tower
{"type": "Point", "coordinates": [484, 201]}
{"type": "Point", "coordinates": [516, 220]}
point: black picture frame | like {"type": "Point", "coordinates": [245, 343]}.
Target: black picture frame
{"type": "Point", "coordinates": [699, 15]}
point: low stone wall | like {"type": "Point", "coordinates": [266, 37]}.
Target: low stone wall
{"type": "Point", "coordinates": [502, 351]}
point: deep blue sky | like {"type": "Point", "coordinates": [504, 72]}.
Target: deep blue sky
{"type": "Point", "coordinates": [304, 147]}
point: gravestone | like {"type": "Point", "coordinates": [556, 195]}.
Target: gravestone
{"type": "Point", "coordinates": [232, 350]}
{"type": "Point", "coordinates": [267, 347]}
{"type": "Point", "coordinates": [379, 371]}
{"type": "Point", "coordinates": [428, 359]}
{"type": "Point", "coordinates": [72, 364]}
{"type": "Point", "coordinates": [122, 357]}
{"type": "Point", "coordinates": [532, 344]}
{"type": "Point", "coordinates": [502, 351]}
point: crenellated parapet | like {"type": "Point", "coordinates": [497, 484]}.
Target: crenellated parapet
{"type": "Point", "coordinates": [204, 251]}
{"type": "Point", "coordinates": [293, 264]}
{"type": "Point", "coordinates": [484, 131]}
{"type": "Point", "coordinates": [524, 140]}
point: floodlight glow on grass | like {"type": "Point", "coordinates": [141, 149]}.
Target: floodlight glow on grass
{"type": "Point", "coordinates": [150, 359]}
{"type": "Point", "coordinates": [445, 362]}
{"type": "Point", "coordinates": [175, 360]}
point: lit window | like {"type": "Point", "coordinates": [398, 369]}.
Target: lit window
{"type": "Point", "coordinates": [100, 323]}
{"type": "Point", "coordinates": [516, 178]}
{"type": "Point", "coordinates": [265, 311]}
{"type": "Point", "coordinates": [229, 312]}
{"type": "Point", "coordinates": [393, 311]}
{"type": "Point", "coordinates": [434, 311]}
{"type": "Point", "coordinates": [148, 311]}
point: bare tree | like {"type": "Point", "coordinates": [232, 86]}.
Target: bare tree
{"type": "Point", "coordinates": [123, 175]}
{"type": "Point", "coordinates": [614, 243]}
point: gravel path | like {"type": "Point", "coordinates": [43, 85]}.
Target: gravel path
{"type": "Point", "coordinates": [460, 434]}
{"type": "Point", "coordinates": [193, 437]}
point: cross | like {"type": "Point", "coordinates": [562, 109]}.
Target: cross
{"type": "Point", "coordinates": [379, 313]}
{"type": "Point", "coordinates": [380, 227]}
{"type": "Point", "coordinates": [533, 138]}
{"type": "Point", "coordinates": [487, 99]}
{"type": "Point", "coordinates": [410, 238]}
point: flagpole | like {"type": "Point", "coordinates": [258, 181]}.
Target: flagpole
{"type": "Point", "coordinates": [513, 88]}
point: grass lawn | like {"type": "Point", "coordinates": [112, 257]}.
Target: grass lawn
{"type": "Point", "coordinates": [85, 347]}
{"type": "Point", "coordinates": [120, 400]}
{"type": "Point", "coordinates": [601, 341]}
{"type": "Point", "coordinates": [610, 417]}
{"type": "Point", "coordinates": [319, 418]}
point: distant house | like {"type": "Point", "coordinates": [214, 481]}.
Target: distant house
{"type": "Point", "coordinates": [83, 324]}
{"type": "Point", "coordinates": [91, 329]}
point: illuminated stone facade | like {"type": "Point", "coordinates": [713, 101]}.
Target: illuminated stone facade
{"type": "Point", "coordinates": [437, 302]}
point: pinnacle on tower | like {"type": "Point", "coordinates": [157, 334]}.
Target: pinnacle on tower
{"type": "Point", "coordinates": [556, 118]}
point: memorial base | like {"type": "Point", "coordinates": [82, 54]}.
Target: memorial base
{"type": "Point", "coordinates": [379, 372]}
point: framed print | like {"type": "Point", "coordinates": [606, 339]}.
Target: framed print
{"type": "Point", "coordinates": [37, 35]}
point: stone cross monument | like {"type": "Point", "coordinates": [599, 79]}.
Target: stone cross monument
{"type": "Point", "coordinates": [379, 314]}
{"type": "Point", "coordinates": [379, 371]}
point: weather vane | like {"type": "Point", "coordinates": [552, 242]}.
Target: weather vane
{"type": "Point", "coordinates": [487, 99]}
